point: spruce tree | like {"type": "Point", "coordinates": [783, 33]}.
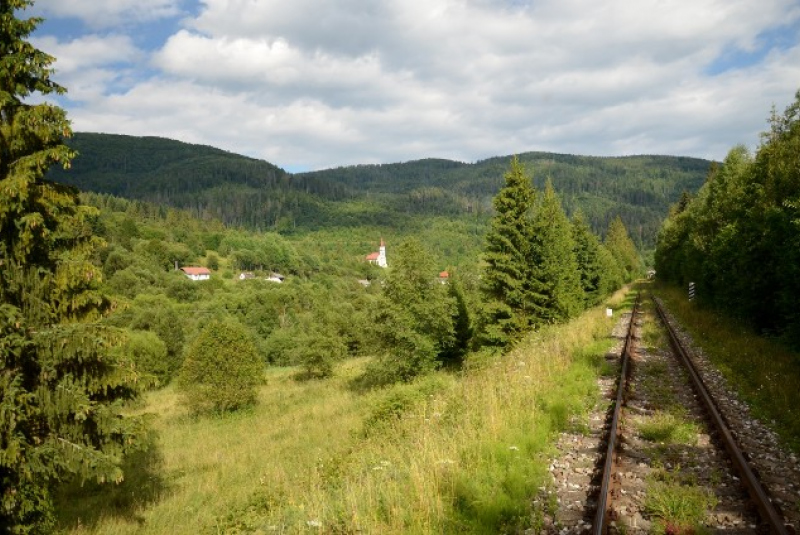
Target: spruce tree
{"type": "Point", "coordinates": [62, 389]}
{"type": "Point", "coordinates": [596, 281]}
{"type": "Point", "coordinates": [621, 247]}
{"type": "Point", "coordinates": [555, 280]}
{"type": "Point", "coordinates": [507, 307]}
{"type": "Point", "coordinates": [453, 355]}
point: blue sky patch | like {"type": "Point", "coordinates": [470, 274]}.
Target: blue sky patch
{"type": "Point", "coordinates": [778, 38]}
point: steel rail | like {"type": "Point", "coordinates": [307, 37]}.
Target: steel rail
{"type": "Point", "coordinates": [769, 513]}
{"type": "Point", "coordinates": [600, 525]}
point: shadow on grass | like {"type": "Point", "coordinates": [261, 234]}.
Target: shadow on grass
{"type": "Point", "coordinates": [86, 503]}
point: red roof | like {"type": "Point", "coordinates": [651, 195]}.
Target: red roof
{"type": "Point", "coordinates": [373, 256]}
{"type": "Point", "coordinates": [196, 271]}
{"type": "Point", "coordinates": [444, 275]}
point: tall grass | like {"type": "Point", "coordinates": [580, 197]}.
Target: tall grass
{"type": "Point", "coordinates": [449, 453]}
{"type": "Point", "coordinates": [763, 371]}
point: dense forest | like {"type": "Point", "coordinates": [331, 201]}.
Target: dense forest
{"type": "Point", "coordinates": [738, 238]}
{"type": "Point", "coordinates": [257, 195]}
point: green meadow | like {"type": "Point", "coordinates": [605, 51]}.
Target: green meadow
{"type": "Point", "coordinates": [450, 452]}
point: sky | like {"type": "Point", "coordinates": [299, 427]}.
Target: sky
{"type": "Point", "coordinates": [316, 84]}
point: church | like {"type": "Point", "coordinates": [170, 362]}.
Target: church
{"type": "Point", "coordinates": [378, 258]}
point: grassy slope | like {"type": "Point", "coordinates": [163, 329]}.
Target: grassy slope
{"type": "Point", "coordinates": [449, 453]}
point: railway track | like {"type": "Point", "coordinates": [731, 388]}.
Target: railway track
{"type": "Point", "coordinates": [665, 450]}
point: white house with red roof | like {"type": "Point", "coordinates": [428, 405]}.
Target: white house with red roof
{"type": "Point", "coordinates": [197, 273]}
{"type": "Point", "coordinates": [378, 258]}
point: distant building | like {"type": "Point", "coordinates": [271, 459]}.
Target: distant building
{"type": "Point", "coordinates": [378, 258]}
{"type": "Point", "coordinates": [444, 276]}
{"type": "Point", "coordinates": [197, 273]}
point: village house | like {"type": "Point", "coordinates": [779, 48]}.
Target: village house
{"type": "Point", "coordinates": [378, 258]}
{"type": "Point", "coordinates": [275, 277]}
{"type": "Point", "coordinates": [197, 273]}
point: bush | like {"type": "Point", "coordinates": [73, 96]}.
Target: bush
{"type": "Point", "coordinates": [279, 347]}
{"type": "Point", "coordinates": [149, 353]}
{"type": "Point", "coordinates": [212, 261]}
{"type": "Point", "coordinates": [319, 350]}
{"type": "Point", "coordinates": [221, 370]}
{"type": "Point", "coordinates": [159, 315]}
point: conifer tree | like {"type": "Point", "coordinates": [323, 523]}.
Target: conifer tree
{"type": "Point", "coordinates": [555, 280]}
{"type": "Point", "coordinates": [594, 263]}
{"type": "Point", "coordinates": [507, 308]}
{"type": "Point", "coordinates": [61, 388]}
{"type": "Point", "coordinates": [462, 323]}
{"type": "Point", "coordinates": [621, 247]}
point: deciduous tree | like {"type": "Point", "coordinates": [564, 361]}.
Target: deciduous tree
{"type": "Point", "coordinates": [414, 318]}
{"type": "Point", "coordinates": [221, 370]}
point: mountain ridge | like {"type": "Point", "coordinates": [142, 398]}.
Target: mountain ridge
{"type": "Point", "coordinates": [245, 191]}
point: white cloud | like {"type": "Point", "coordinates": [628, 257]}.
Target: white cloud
{"type": "Point", "coordinates": [89, 51]}
{"type": "Point", "coordinates": [92, 66]}
{"type": "Point", "coordinates": [109, 13]}
{"type": "Point", "coordinates": [314, 84]}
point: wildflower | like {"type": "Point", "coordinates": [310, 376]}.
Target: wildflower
{"type": "Point", "coordinates": [513, 448]}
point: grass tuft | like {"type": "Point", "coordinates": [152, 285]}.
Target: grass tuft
{"type": "Point", "coordinates": [677, 508]}
{"type": "Point", "coordinates": [667, 428]}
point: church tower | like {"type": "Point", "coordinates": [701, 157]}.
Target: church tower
{"type": "Point", "coordinates": [382, 254]}
{"type": "Point", "coordinates": [378, 258]}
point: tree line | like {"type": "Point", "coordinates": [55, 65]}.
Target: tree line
{"type": "Point", "coordinates": [254, 194]}
{"type": "Point", "coordinates": [738, 239]}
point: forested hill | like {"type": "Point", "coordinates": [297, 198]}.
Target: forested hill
{"type": "Point", "coordinates": [256, 194]}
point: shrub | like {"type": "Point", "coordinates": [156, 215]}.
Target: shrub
{"type": "Point", "coordinates": [212, 261]}
{"type": "Point", "coordinates": [318, 351]}
{"type": "Point", "coordinates": [159, 315]}
{"type": "Point", "coordinates": [279, 347]}
{"type": "Point", "coordinates": [221, 370]}
{"type": "Point", "coordinates": [149, 353]}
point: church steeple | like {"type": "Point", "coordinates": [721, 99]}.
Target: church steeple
{"type": "Point", "coordinates": [382, 254]}
{"type": "Point", "coordinates": [378, 258]}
